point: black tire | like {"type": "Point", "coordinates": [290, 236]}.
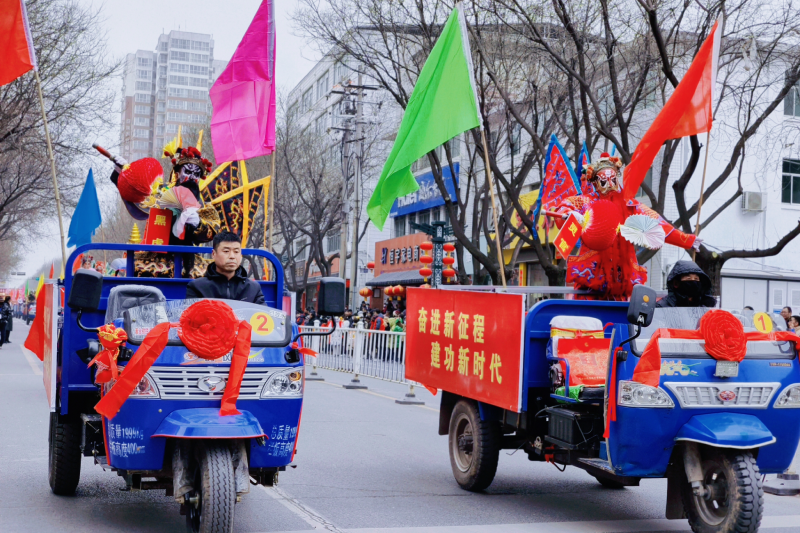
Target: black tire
{"type": "Point", "coordinates": [213, 510]}
{"type": "Point", "coordinates": [609, 483]}
{"type": "Point", "coordinates": [64, 463]}
{"type": "Point", "coordinates": [737, 497]}
{"type": "Point", "coordinates": [474, 447]}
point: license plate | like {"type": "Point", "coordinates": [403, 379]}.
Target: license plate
{"type": "Point", "coordinates": [727, 369]}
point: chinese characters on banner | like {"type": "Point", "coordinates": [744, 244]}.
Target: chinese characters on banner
{"type": "Point", "coordinates": [568, 237]}
{"type": "Point", "coordinates": [468, 343]}
{"type": "Point", "coordinates": [159, 224]}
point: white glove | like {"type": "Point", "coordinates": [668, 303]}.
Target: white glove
{"type": "Point", "coordinates": [578, 216]}
{"type": "Point", "coordinates": [697, 242]}
{"type": "Point", "coordinates": [119, 162]}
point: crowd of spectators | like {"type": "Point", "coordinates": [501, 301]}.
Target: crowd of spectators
{"type": "Point", "coordinates": [392, 317]}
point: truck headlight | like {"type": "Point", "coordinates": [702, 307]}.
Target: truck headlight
{"type": "Point", "coordinates": [789, 397]}
{"type": "Point", "coordinates": [146, 388]}
{"type": "Point", "coordinates": [284, 383]}
{"type": "Point", "coordinates": [633, 394]}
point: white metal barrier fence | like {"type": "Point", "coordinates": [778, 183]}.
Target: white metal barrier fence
{"type": "Point", "coordinates": [362, 352]}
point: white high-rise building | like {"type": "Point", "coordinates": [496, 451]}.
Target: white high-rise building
{"type": "Point", "coordinates": [166, 88]}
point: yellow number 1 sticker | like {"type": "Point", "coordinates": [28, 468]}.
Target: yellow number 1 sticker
{"type": "Point", "coordinates": [763, 322]}
{"type": "Point", "coordinates": [262, 324]}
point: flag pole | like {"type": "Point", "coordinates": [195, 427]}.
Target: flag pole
{"type": "Point", "coordinates": [702, 189]}
{"type": "Point", "coordinates": [494, 209]}
{"type": "Point", "coordinates": [271, 201]}
{"type": "Point", "coordinates": [52, 167]}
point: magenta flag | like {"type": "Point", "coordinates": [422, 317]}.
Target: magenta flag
{"type": "Point", "coordinates": [243, 97]}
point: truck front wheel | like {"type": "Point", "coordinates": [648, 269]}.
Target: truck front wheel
{"type": "Point", "coordinates": [64, 464]}
{"type": "Point", "coordinates": [734, 499]}
{"type": "Point", "coordinates": [474, 446]}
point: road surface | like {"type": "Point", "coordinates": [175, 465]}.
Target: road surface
{"type": "Point", "coordinates": [365, 465]}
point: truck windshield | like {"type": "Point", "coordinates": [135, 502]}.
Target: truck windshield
{"type": "Point", "coordinates": [689, 318]}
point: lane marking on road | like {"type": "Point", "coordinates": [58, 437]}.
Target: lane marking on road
{"type": "Point", "coordinates": [32, 360]}
{"type": "Point", "coordinates": [308, 515]}
{"type": "Point", "coordinates": [337, 385]}
{"type": "Point", "coordinates": [598, 526]}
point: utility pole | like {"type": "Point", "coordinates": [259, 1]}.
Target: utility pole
{"type": "Point", "coordinates": [359, 146]}
{"type": "Point", "coordinates": [345, 205]}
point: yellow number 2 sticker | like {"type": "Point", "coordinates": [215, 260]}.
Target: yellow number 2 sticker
{"type": "Point", "coordinates": [262, 324]}
{"type": "Point", "coordinates": [763, 322]}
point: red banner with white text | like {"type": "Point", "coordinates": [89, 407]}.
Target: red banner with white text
{"type": "Point", "coordinates": [468, 343]}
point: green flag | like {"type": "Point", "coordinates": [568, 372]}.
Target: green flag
{"type": "Point", "coordinates": [442, 105]}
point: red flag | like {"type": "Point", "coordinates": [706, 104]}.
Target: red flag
{"type": "Point", "coordinates": [687, 112]}
{"type": "Point", "coordinates": [36, 335]}
{"type": "Point", "coordinates": [52, 270]}
{"type": "Point", "coordinates": [17, 55]}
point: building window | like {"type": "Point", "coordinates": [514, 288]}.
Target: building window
{"type": "Point", "coordinates": [300, 250]}
{"type": "Point", "coordinates": [200, 45]}
{"type": "Point", "coordinates": [179, 67]}
{"type": "Point", "coordinates": [163, 46]}
{"type": "Point", "coordinates": [143, 86]}
{"type": "Point", "coordinates": [141, 133]}
{"type": "Point", "coordinates": [648, 180]}
{"type": "Point", "coordinates": [399, 226]}
{"type": "Point", "coordinates": [162, 58]}
{"type": "Point", "coordinates": [200, 71]}
{"type": "Point", "coordinates": [183, 44]}
{"type": "Point", "coordinates": [199, 58]}
{"type": "Point", "coordinates": [516, 138]}
{"type": "Point", "coordinates": [172, 128]}
{"type": "Point", "coordinates": [198, 82]}
{"type": "Point", "coordinates": [790, 193]}
{"type": "Point", "coordinates": [334, 243]}
{"type": "Point", "coordinates": [162, 70]}
{"type": "Point", "coordinates": [141, 145]}
{"type": "Point", "coordinates": [161, 106]}
{"type": "Point", "coordinates": [141, 121]}
{"type": "Point", "coordinates": [142, 61]}
{"type": "Point", "coordinates": [791, 103]}
{"type": "Point", "coordinates": [141, 109]}
{"type": "Point", "coordinates": [143, 98]}
{"type": "Point", "coordinates": [436, 212]}
{"type": "Point", "coordinates": [143, 74]}
{"type": "Point", "coordinates": [322, 86]}
{"type": "Point", "coordinates": [340, 72]}
{"type": "Point", "coordinates": [424, 217]}
{"type": "Point", "coordinates": [179, 56]}
{"type": "Point", "coordinates": [307, 101]}
{"type": "Point", "coordinates": [179, 80]}
{"type": "Point", "coordinates": [319, 124]}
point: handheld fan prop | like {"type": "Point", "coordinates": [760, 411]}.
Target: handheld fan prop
{"type": "Point", "coordinates": [641, 230]}
{"type": "Point", "coordinates": [178, 198]}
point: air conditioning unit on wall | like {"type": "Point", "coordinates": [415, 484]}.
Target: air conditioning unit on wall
{"type": "Point", "coordinates": [753, 201]}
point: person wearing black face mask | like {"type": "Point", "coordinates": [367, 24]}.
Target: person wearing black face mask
{"type": "Point", "coordinates": [688, 286]}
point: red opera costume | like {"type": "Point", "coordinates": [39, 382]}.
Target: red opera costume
{"type": "Point", "coordinates": [607, 262]}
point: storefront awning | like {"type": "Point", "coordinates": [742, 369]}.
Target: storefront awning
{"type": "Point", "coordinates": [406, 277]}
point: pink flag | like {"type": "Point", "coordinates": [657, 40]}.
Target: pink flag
{"type": "Point", "coordinates": [243, 97]}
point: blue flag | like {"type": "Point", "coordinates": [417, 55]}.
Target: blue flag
{"type": "Point", "coordinates": [584, 158]}
{"type": "Point", "coordinates": [86, 218]}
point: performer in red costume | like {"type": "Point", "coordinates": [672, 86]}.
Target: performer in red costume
{"type": "Point", "coordinates": [607, 262]}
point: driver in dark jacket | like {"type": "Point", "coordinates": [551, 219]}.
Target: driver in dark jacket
{"type": "Point", "coordinates": [688, 286]}
{"type": "Point", "coordinates": [225, 277]}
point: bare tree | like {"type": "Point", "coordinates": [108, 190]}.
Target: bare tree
{"type": "Point", "coordinates": [75, 72]}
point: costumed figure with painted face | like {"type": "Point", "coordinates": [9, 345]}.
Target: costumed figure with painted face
{"type": "Point", "coordinates": [612, 227]}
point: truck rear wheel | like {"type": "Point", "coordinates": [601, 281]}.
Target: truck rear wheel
{"type": "Point", "coordinates": [210, 505]}
{"type": "Point", "coordinates": [64, 462]}
{"type": "Point", "coordinates": [474, 447]}
{"type": "Point", "coordinates": [735, 499]}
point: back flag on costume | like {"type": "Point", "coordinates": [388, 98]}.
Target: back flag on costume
{"type": "Point", "coordinates": [559, 180]}
{"type": "Point", "coordinates": [687, 112]}
{"type": "Point", "coordinates": [17, 55]}
{"type": "Point", "coordinates": [243, 97]}
{"type": "Point", "coordinates": [442, 105]}
{"type": "Point", "coordinates": [87, 217]}
{"type": "Point", "coordinates": [584, 158]}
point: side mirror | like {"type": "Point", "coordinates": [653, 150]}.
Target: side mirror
{"type": "Point", "coordinates": [330, 296]}
{"type": "Point", "coordinates": [642, 305]}
{"type": "Point", "coordinates": [87, 287]}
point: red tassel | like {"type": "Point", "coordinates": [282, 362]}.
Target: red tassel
{"type": "Point", "coordinates": [241, 353]}
{"type": "Point", "coordinates": [152, 346]}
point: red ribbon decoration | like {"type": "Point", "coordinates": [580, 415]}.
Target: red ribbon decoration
{"type": "Point", "coordinates": [611, 415]}
{"type": "Point", "coordinates": [209, 329]}
{"type": "Point", "coordinates": [724, 336]}
{"type": "Point", "coordinates": [111, 338]}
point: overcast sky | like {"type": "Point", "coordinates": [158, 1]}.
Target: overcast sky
{"type": "Point", "coordinates": [136, 25]}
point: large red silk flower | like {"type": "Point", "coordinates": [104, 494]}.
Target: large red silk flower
{"type": "Point", "coordinates": [724, 336]}
{"type": "Point", "coordinates": [208, 329]}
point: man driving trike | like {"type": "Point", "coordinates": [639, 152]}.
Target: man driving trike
{"type": "Point", "coordinates": [226, 278]}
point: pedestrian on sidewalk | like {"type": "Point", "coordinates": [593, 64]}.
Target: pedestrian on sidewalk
{"type": "Point", "coordinates": [5, 312]}
{"type": "Point", "coordinates": [8, 310]}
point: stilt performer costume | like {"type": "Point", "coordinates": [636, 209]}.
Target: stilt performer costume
{"type": "Point", "coordinates": [612, 224]}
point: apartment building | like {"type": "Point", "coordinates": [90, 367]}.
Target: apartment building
{"type": "Point", "coordinates": [166, 88]}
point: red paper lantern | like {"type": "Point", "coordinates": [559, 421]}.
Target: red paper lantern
{"type": "Point", "coordinates": [365, 292]}
{"type": "Point", "coordinates": [427, 259]}
{"type": "Point", "coordinates": [449, 247]}
{"type": "Point", "coordinates": [371, 265]}
{"type": "Point", "coordinates": [600, 225]}
{"type": "Point", "coordinates": [389, 291]}
{"type": "Point", "coordinates": [448, 260]}
{"type": "Point", "coordinates": [399, 290]}
{"type": "Point", "coordinates": [427, 245]}
{"type": "Point", "coordinates": [425, 272]}
{"type": "Point", "coordinates": [449, 273]}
